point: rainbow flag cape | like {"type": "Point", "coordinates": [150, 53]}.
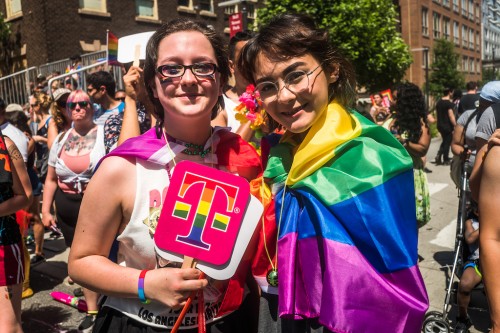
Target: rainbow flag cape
{"type": "Point", "coordinates": [347, 244]}
{"type": "Point", "coordinates": [112, 49]}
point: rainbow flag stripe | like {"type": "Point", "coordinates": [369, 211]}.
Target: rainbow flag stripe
{"type": "Point", "coordinates": [348, 236]}
{"type": "Point", "coordinates": [112, 49]}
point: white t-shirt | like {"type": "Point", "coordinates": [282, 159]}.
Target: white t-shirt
{"type": "Point", "coordinates": [229, 106]}
{"type": "Point", "coordinates": [18, 137]}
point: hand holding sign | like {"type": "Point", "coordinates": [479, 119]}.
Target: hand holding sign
{"type": "Point", "coordinates": [208, 218]}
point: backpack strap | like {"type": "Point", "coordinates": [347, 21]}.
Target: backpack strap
{"type": "Point", "coordinates": [496, 113]}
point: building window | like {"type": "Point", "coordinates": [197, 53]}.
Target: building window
{"type": "Point", "coordinates": [478, 65]}
{"type": "Point", "coordinates": [425, 22]}
{"type": "Point", "coordinates": [185, 3]}
{"type": "Point", "coordinates": [446, 28]}
{"type": "Point", "coordinates": [146, 9]}
{"type": "Point", "coordinates": [478, 42]}
{"type": "Point", "coordinates": [464, 36]}
{"type": "Point", "coordinates": [93, 5]}
{"type": "Point", "coordinates": [478, 20]}
{"type": "Point", "coordinates": [456, 33]}
{"type": "Point", "coordinates": [13, 8]}
{"type": "Point", "coordinates": [446, 3]}
{"type": "Point", "coordinates": [252, 13]}
{"type": "Point", "coordinates": [465, 64]}
{"type": "Point", "coordinates": [436, 25]}
{"type": "Point", "coordinates": [471, 39]}
{"type": "Point", "coordinates": [436, 1]}
{"type": "Point", "coordinates": [230, 10]}
{"type": "Point", "coordinates": [207, 5]}
{"type": "Point", "coordinates": [455, 6]}
{"type": "Point", "coordinates": [471, 10]}
{"type": "Point", "coordinates": [464, 8]}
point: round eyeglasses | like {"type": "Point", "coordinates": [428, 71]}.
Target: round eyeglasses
{"type": "Point", "coordinates": [201, 70]}
{"type": "Point", "coordinates": [296, 82]}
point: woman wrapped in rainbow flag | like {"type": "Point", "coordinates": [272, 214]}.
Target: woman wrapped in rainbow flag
{"type": "Point", "coordinates": [339, 237]}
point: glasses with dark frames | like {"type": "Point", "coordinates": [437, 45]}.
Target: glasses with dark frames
{"type": "Point", "coordinates": [82, 104]}
{"type": "Point", "coordinates": [201, 70]}
{"type": "Point", "coordinates": [296, 82]}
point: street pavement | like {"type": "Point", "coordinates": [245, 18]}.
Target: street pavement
{"type": "Point", "coordinates": [41, 314]}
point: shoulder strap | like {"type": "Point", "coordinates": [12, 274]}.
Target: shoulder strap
{"type": "Point", "coordinates": [469, 119]}
{"type": "Point", "coordinates": [496, 113]}
{"type": "Point", "coordinates": [47, 122]}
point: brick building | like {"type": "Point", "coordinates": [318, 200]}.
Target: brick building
{"type": "Point", "coordinates": [423, 21]}
{"type": "Point", "coordinates": [47, 31]}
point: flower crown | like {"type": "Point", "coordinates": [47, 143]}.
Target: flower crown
{"type": "Point", "coordinates": [250, 110]}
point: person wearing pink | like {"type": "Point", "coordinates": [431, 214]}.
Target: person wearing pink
{"type": "Point", "coordinates": [73, 156]}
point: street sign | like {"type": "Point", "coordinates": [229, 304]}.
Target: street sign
{"type": "Point", "coordinates": [235, 24]}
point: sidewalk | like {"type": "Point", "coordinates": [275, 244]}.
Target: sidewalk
{"type": "Point", "coordinates": [41, 313]}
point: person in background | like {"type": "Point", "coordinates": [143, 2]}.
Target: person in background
{"type": "Point", "coordinates": [31, 215]}
{"type": "Point", "coordinates": [471, 275]}
{"type": "Point", "coordinates": [40, 104]}
{"type": "Point", "coordinates": [15, 194]}
{"type": "Point", "coordinates": [101, 89]}
{"type": "Point", "coordinates": [445, 123]}
{"type": "Point", "coordinates": [231, 96]}
{"type": "Point", "coordinates": [120, 95]}
{"type": "Point", "coordinates": [322, 220]}
{"type": "Point", "coordinates": [186, 68]}
{"type": "Point", "coordinates": [378, 111]}
{"type": "Point", "coordinates": [136, 117]}
{"type": "Point", "coordinates": [411, 129]}
{"type": "Point", "coordinates": [470, 100]}
{"type": "Point", "coordinates": [73, 157]}
{"type": "Point", "coordinates": [59, 114]}
{"type": "Point", "coordinates": [489, 104]}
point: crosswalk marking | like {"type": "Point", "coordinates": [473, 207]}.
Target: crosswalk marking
{"type": "Point", "coordinates": [446, 237]}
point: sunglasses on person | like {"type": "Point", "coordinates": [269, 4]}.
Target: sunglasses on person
{"type": "Point", "coordinates": [82, 104]}
{"type": "Point", "coordinates": [34, 105]}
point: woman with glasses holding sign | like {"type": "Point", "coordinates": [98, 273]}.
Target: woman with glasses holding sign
{"type": "Point", "coordinates": [337, 248]}
{"type": "Point", "coordinates": [185, 72]}
{"type": "Point", "coordinates": [73, 157]}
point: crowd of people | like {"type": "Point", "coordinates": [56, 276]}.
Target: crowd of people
{"type": "Point", "coordinates": [103, 150]}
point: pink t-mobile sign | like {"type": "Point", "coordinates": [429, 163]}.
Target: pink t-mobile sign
{"type": "Point", "coordinates": [203, 214]}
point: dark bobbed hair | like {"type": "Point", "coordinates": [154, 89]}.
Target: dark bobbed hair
{"type": "Point", "coordinates": [180, 25]}
{"type": "Point", "coordinates": [410, 111]}
{"type": "Point", "coordinates": [240, 36]}
{"type": "Point", "coordinates": [294, 35]}
{"type": "Point", "coordinates": [447, 91]}
{"type": "Point", "coordinates": [103, 78]}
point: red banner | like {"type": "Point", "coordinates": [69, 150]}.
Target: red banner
{"type": "Point", "coordinates": [235, 24]}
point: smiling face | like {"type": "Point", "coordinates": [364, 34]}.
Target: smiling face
{"type": "Point", "coordinates": [187, 97]}
{"type": "Point", "coordinates": [295, 111]}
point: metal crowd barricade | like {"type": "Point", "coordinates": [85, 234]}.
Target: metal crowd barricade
{"type": "Point", "coordinates": [82, 74]}
{"type": "Point", "coordinates": [15, 88]}
{"type": "Point", "coordinates": [91, 58]}
{"type": "Point", "coordinates": [56, 66]}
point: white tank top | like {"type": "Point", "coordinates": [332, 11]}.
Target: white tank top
{"type": "Point", "coordinates": [136, 249]}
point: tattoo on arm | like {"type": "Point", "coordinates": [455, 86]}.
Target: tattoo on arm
{"type": "Point", "coordinates": [14, 153]}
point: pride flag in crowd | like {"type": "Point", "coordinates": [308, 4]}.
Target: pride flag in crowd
{"type": "Point", "coordinates": [347, 245]}
{"type": "Point", "coordinates": [112, 49]}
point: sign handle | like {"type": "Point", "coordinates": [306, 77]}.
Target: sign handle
{"type": "Point", "coordinates": [190, 262]}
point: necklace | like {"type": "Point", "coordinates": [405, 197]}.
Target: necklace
{"type": "Point", "coordinates": [191, 148]}
{"type": "Point", "coordinates": [272, 274]}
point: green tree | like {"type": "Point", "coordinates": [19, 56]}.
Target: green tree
{"type": "Point", "coordinates": [364, 30]}
{"type": "Point", "coordinates": [444, 68]}
{"type": "Point", "coordinates": [5, 32]}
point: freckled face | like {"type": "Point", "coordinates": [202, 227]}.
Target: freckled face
{"type": "Point", "coordinates": [187, 96]}
{"type": "Point", "coordinates": [295, 111]}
